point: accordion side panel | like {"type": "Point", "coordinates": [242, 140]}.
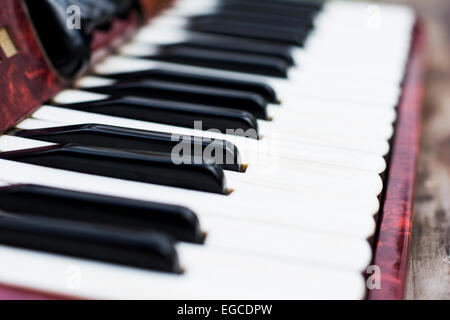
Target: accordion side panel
{"type": "Point", "coordinates": [9, 293]}
{"type": "Point", "coordinates": [392, 246]}
{"type": "Point", "coordinates": [26, 79]}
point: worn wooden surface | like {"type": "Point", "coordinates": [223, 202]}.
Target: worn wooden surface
{"type": "Point", "coordinates": [429, 267]}
{"type": "Point", "coordinates": [429, 272]}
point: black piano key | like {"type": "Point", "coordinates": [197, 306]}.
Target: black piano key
{"type": "Point", "coordinates": [251, 31]}
{"type": "Point", "coordinates": [219, 59]}
{"type": "Point", "coordinates": [188, 93]}
{"type": "Point", "coordinates": [152, 251]}
{"type": "Point", "coordinates": [293, 7]}
{"type": "Point", "coordinates": [228, 44]}
{"type": "Point", "coordinates": [155, 168]}
{"type": "Point", "coordinates": [173, 113]}
{"type": "Point", "coordinates": [134, 140]}
{"type": "Point", "coordinates": [44, 202]}
{"type": "Point", "coordinates": [295, 23]}
{"type": "Point", "coordinates": [122, 8]}
{"type": "Point", "coordinates": [303, 15]}
{"type": "Point", "coordinates": [96, 16]}
{"type": "Point", "coordinates": [99, 14]}
{"type": "Point", "coordinates": [262, 89]}
{"type": "Point", "coordinates": [68, 50]}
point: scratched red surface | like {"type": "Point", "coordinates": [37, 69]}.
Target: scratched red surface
{"type": "Point", "coordinates": [26, 80]}
{"type": "Point", "coordinates": [392, 247]}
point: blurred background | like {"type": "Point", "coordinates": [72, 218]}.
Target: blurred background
{"type": "Point", "coordinates": [429, 268]}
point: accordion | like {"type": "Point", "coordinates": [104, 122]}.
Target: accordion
{"type": "Point", "coordinates": [207, 149]}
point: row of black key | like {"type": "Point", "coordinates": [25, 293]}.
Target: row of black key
{"type": "Point", "coordinates": [136, 233]}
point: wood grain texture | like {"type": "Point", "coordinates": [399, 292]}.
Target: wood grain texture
{"type": "Point", "coordinates": [429, 261]}
{"type": "Point", "coordinates": [429, 268]}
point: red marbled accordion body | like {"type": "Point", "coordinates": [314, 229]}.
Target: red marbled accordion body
{"type": "Point", "coordinates": [7, 293]}
{"type": "Point", "coordinates": [27, 80]}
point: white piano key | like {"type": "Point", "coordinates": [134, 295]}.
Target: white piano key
{"type": "Point", "coordinates": [297, 125]}
{"type": "Point", "coordinates": [388, 29]}
{"type": "Point", "coordinates": [379, 148]}
{"type": "Point", "coordinates": [339, 126]}
{"type": "Point", "coordinates": [172, 21]}
{"type": "Point", "coordinates": [287, 91]}
{"type": "Point", "coordinates": [350, 131]}
{"type": "Point", "coordinates": [186, 8]}
{"type": "Point", "coordinates": [77, 96]}
{"type": "Point", "coordinates": [311, 212]}
{"type": "Point", "coordinates": [351, 11]}
{"type": "Point", "coordinates": [11, 143]}
{"type": "Point", "coordinates": [143, 47]}
{"type": "Point", "coordinates": [323, 33]}
{"type": "Point", "coordinates": [320, 179]}
{"type": "Point", "coordinates": [309, 108]}
{"type": "Point", "coordinates": [309, 79]}
{"type": "Point", "coordinates": [320, 184]}
{"type": "Point", "coordinates": [336, 10]}
{"type": "Point", "coordinates": [326, 177]}
{"type": "Point", "coordinates": [147, 35]}
{"type": "Point", "coordinates": [306, 175]}
{"type": "Point", "coordinates": [276, 111]}
{"type": "Point", "coordinates": [256, 150]}
{"type": "Point", "coordinates": [274, 269]}
{"type": "Point", "coordinates": [296, 106]}
{"type": "Point", "coordinates": [352, 142]}
{"type": "Point", "coordinates": [343, 58]}
{"type": "Point", "coordinates": [91, 81]}
{"type": "Point", "coordinates": [335, 15]}
{"type": "Point", "coordinates": [385, 76]}
{"type": "Point", "coordinates": [138, 49]}
{"type": "Point", "coordinates": [32, 124]}
{"type": "Point", "coordinates": [316, 179]}
{"type": "Point", "coordinates": [290, 244]}
{"type": "Point", "coordinates": [209, 275]}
